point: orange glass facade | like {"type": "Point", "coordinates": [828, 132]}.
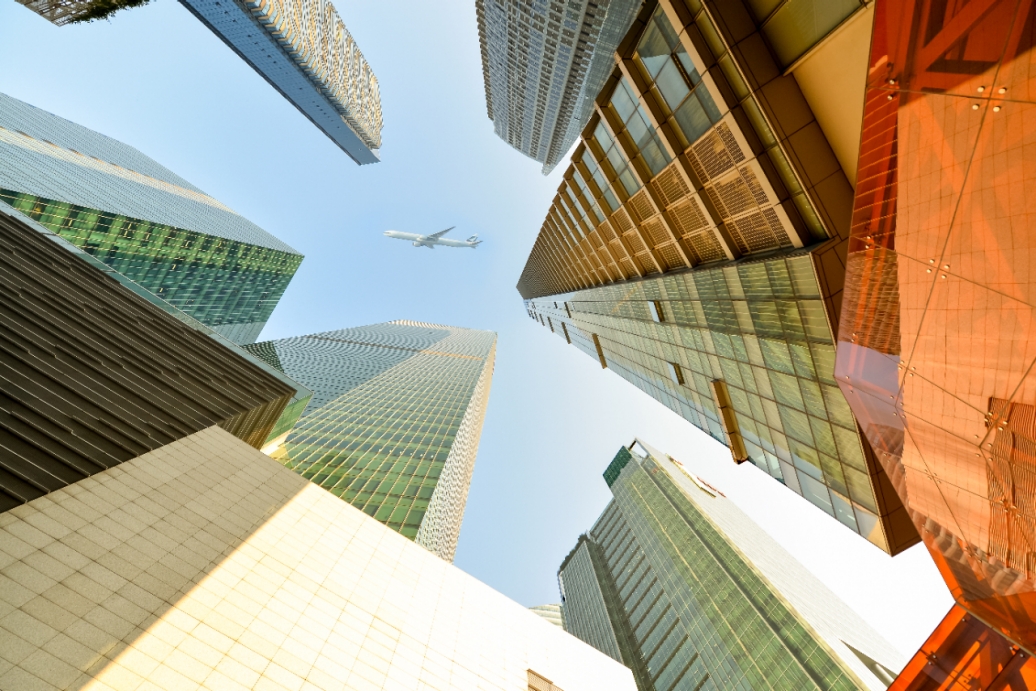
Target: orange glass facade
{"type": "Point", "coordinates": [963, 654]}
{"type": "Point", "coordinates": [937, 340]}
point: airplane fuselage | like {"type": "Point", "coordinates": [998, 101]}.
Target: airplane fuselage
{"type": "Point", "coordinates": [427, 241]}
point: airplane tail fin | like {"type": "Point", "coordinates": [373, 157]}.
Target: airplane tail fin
{"type": "Point", "coordinates": [474, 241]}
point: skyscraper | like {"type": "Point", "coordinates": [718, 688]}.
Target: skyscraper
{"type": "Point", "coordinates": [543, 64]}
{"type": "Point", "coordinates": [145, 541]}
{"type": "Point", "coordinates": [88, 377]}
{"type": "Point", "coordinates": [696, 249]}
{"type": "Point", "coordinates": [680, 585]}
{"type": "Point", "coordinates": [935, 350]}
{"type": "Point", "coordinates": [302, 48]}
{"type": "Point", "coordinates": [395, 420]}
{"type": "Point", "coordinates": [551, 613]}
{"type": "Point", "coordinates": [204, 564]}
{"type": "Point", "coordinates": [148, 224]}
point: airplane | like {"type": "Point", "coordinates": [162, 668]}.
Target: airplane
{"type": "Point", "coordinates": [430, 241]}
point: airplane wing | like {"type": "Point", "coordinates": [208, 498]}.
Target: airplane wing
{"type": "Point", "coordinates": [436, 236]}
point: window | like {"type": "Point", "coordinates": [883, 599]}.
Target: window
{"type": "Point", "coordinates": [627, 106]}
{"type": "Point", "coordinates": [676, 78]}
{"type": "Point", "coordinates": [657, 312]}
{"type": "Point", "coordinates": [675, 373]}
{"type": "Point", "coordinates": [614, 154]}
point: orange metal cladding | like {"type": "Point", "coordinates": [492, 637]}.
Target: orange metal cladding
{"type": "Point", "coordinates": [937, 343]}
{"type": "Point", "coordinates": [963, 654]}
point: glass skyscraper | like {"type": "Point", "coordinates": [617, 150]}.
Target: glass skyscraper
{"type": "Point", "coordinates": [395, 420]}
{"type": "Point", "coordinates": [678, 584]}
{"type": "Point", "coordinates": [696, 247]}
{"type": "Point", "coordinates": [302, 48]}
{"type": "Point", "coordinates": [143, 221]}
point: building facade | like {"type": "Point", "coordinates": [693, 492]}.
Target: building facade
{"type": "Point", "coordinates": [934, 351]}
{"type": "Point", "coordinates": [302, 48]}
{"type": "Point", "coordinates": [543, 64]}
{"type": "Point", "coordinates": [205, 564]}
{"type": "Point", "coordinates": [551, 613]}
{"type": "Point", "coordinates": [142, 220]}
{"type": "Point", "coordinates": [963, 654]}
{"type": "Point", "coordinates": [696, 248]}
{"type": "Point", "coordinates": [678, 584]}
{"type": "Point", "coordinates": [88, 380]}
{"type": "Point", "coordinates": [395, 420]}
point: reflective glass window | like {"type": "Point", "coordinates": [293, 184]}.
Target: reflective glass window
{"type": "Point", "coordinates": [671, 84]}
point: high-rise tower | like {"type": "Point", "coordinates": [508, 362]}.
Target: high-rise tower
{"type": "Point", "coordinates": [301, 47]}
{"type": "Point", "coordinates": [543, 64]}
{"type": "Point", "coordinates": [142, 220]}
{"type": "Point", "coordinates": [145, 541]}
{"type": "Point", "coordinates": [395, 420]}
{"type": "Point", "coordinates": [680, 585]}
{"type": "Point", "coordinates": [696, 246]}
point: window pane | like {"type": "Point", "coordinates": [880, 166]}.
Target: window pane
{"type": "Point", "coordinates": [623, 102]}
{"type": "Point", "coordinates": [655, 156]}
{"type": "Point", "coordinates": [692, 119]}
{"type": "Point", "coordinates": [639, 130]}
{"type": "Point", "coordinates": [800, 24]}
{"type": "Point", "coordinates": [688, 65]}
{"type": "Point", "coordinates": [617, 160]}
{"type": "Point", "coordinates": [629, 181]}
{"type": "Point", "coordinates": [708, 104]}
{"type": "Point", "coordinates": [653, 49]}
{"type": "Point", "coordinates": [667, 29]}
{"type": "Point", "coordinates": [672, 84]}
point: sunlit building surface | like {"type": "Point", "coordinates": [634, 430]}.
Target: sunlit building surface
{"type": "Point", "coordinates": [143, 221]}
{"type": "Point", "coordinates": [543, 64]}
{"type": "Point", "coordinates": [682, 587]}
{"type": "Point", "coordinates": [696, 245]}
{"type": "Point", "coordinates": [204, 564]}
{"type": "Point", "coordinates": [395, 420]}
{"type": "Point", "coordinates": [963, 654]}
{"type": "Point", "coordinates": [937, 334]}
{"type": "Point", "coordinates": [302, 48]}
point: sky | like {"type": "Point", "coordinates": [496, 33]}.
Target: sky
{"type": "Point", "coordinates": [156, 78]}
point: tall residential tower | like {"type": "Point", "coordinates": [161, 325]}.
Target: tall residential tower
{"type": "Point", "coordinates": [395, 420]}
{"type": "Point", "coordinates": [301, 47]}
{"type": "Point", "coordinates": [543, 63]}
{"type": "Point", "coordinates": [142, 220]}
{"type": "Point", "coordinates": [680, 585]}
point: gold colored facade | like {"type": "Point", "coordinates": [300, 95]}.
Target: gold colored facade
{"type": "Point", "coordinates": [700, 149]}
{"type": "Point", "coordinates": [697, 244]}
{"type": "Point", "coordinates": [937, 343]}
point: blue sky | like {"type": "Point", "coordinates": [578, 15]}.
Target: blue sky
{"type": "Point", "coordinates": [157, 79]}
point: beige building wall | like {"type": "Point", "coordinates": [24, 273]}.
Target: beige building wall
{"type": "Point", "coordinates": [833, 76]}
{"type": "Point", "coordinates": [207, 565]}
